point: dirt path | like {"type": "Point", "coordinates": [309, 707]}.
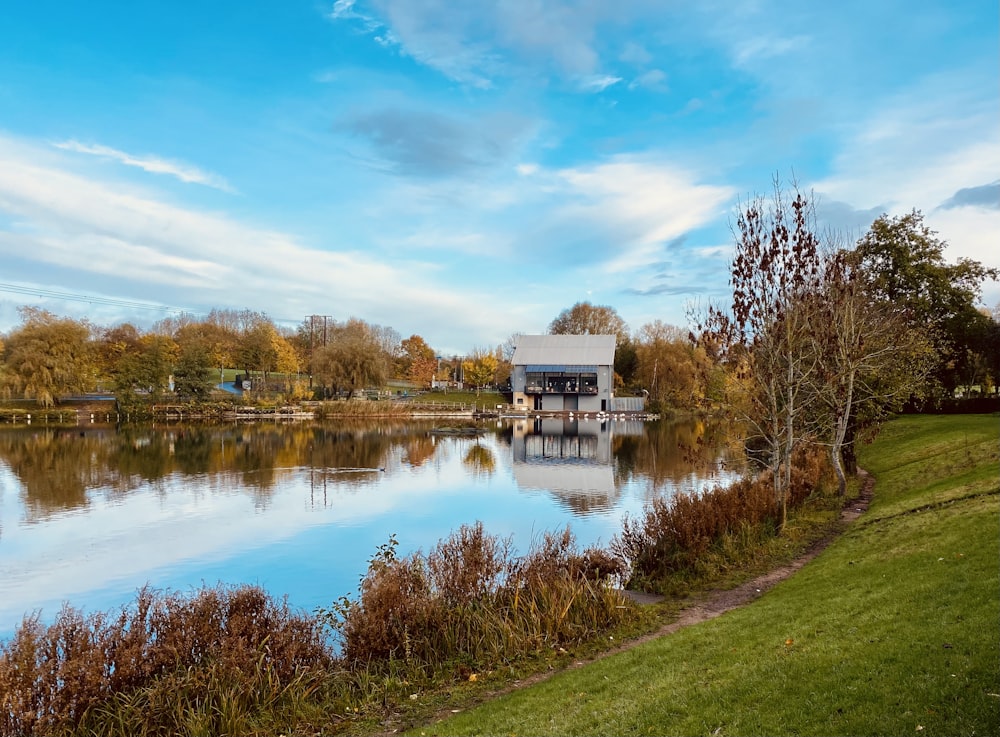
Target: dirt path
{"type": "Point", "coordinates": [715, 603]}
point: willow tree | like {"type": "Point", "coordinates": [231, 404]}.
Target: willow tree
{"type": "Point", "coordinates": [48, 356]}
{"type": "Point", "coordinates": [352, 359]}
{"type": "Point", "coordinates": [671, 368]}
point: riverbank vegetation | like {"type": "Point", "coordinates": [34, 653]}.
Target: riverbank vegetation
{"type": "Point", "coordinates": [892, 625]}
{"type": "Point", "coordinates": [891, 630]}
{"type": "Point", "coordinates": [893, 284]}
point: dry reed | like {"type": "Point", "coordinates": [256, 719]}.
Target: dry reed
{"type": "Point", "coordinates": [53, 679]}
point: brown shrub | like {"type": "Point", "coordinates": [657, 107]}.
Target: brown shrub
{"type": "Point", "coordinates": [468, 565]}
{"type": "Point", "coordinates": [50, 677]}
{"type": "Point", "coordinates": [395, 605]}
{"type": "Point", "coordinates": [471, 601]}
{"type": "Point", "coordinates": [675, 533]}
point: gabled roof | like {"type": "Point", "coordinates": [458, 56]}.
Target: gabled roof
{"type": "Point", "coordinates": [565, 350]}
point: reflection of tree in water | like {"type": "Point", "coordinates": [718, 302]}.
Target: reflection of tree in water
{"type": "Point", "coordinates": [419, 450]}
{"type": "Point", "coordinates": [674, 451]}
{"type": "Point", "coordinates": [347, 447]}
{"type": "Point", "coordinates": [139, 454]}
{"type": "Point", "coordinates": [480, 460]}
{"type": "Point", "coordinates": [55, 468]}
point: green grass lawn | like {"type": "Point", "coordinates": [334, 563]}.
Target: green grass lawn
{"type": "Point", "coordinates": [894, 629]}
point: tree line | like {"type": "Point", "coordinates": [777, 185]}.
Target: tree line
{"type": "Point", "coordinates": [822, 340]}
{"type": "Point", "coordinates": [885, 320]}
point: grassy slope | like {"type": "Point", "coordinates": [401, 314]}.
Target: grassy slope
{"type": "Point", "coordinates": [892, 630]}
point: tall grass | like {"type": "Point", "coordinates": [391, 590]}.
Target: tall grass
{"type": "Point", "coordinates": [697, 534]}
{"type": "Point", "coordinates": [359, 408]}
{"type": "Point", "coordinates": [166, 664]}
{"type": "Point", "coordinates": [470, 600]}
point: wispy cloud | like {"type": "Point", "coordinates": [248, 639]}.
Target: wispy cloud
{"type": "Point", "coordinates": [475, 43]}
{"type": "Point", "coordinates": [152, 164]}
{"type": "Point", "coordinates": [766, 48]}
{"type": "Point", "coordinates": [650, 203]}
{"type": "Point", "coordinates": [188, 257]}
{"type": "Point", "coordinates": [930, 145]}
{"type": "Point", "coordinates": [599, 82]}
{"type": "Point", "coordinates": [411, 140]}
{"type": "Point", "coordinates": [653, 79]}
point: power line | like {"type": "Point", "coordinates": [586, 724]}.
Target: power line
{"type": "Point", "coordinates": [69, 296]}
{"type": "Point", "coordinates": [113, 302]}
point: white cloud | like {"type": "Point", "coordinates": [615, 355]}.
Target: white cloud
{"type": "Point", "coordinates": [916, 151]}
{"type": "Point", "coordinates": [152, 164]}
{"type": "Point", "coordinates": [343, 9]}
{"type": "Point", "coordinates": [767, 48]}
{"type": "Point", "coordinates": [598, 82]}
{"type": "Point", "coordinates": [920, 148]}
{"type": "Point", "coordinates": [61, 221]}
{"type": "Point", "coordinates": [650, 201]}
{"type": "Point", "coordinates": [474, 43]}
{"type": "Point", "coordinates": [654, 79]}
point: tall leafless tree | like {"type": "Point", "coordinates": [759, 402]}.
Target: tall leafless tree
{"type": "Point", "coordinates": [767, 331]}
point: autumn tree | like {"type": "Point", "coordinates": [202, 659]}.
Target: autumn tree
{"type": "Point", "coordinates": [584, 318]}
{"type": "Point", "coordinates": [48, 356]}
{"type": "Point", "coordinates": [766, 331]}
{"type": "Point", "coordinates": [228, 327]}
{"type": "Point", "coordinates": [418, 361]}
{"type": "Point", "coordinates": [194, 374]}
{"type": "Point", "coordinates": [902, 263]}
{"type": "Point", "coordinates": [214, 340]}
{"type": "Point", "coordinates": [144, 367]}
{"type": "Point", "coordinates": [671, 368]}
{"type": "Point", "coordinates": [115, 343]}
{"type": "Point", "coordinates": [352, 359]}
{"type": "Point", "coordinates": [480, 369]}
{"type": "Point", "coordinates": [627, 362]}
{"type": "Point", "coordinates": [256, 347]}
{"type": "Point", "coordinates": [871, 359]}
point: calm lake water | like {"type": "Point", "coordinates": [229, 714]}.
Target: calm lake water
{"type": "Point", "coordinates": [89, 514]}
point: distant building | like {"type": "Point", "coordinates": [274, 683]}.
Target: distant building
{"type": "Point", "coordinates": [564, 373]}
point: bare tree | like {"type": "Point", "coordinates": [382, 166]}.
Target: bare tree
{"type": "Point", "coordinates": [767, 333]}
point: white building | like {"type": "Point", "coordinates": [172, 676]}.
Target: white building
{"type": "Point", "coordinates": [564, 373]}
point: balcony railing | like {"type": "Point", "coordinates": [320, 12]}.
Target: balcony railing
{"type": "Point", "coordinates": [560, 390]}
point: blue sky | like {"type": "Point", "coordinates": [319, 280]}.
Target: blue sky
{"type": "Point", "coordinates": [467, 170]}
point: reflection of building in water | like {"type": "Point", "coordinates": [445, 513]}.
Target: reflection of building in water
{"type": "Point", "coordinates": [568, 458]}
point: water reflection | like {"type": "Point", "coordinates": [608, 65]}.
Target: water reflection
{"type": "Point", "coordinates": [90, 514]}
{"type": "Point", "coordinates": [569, 458]}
